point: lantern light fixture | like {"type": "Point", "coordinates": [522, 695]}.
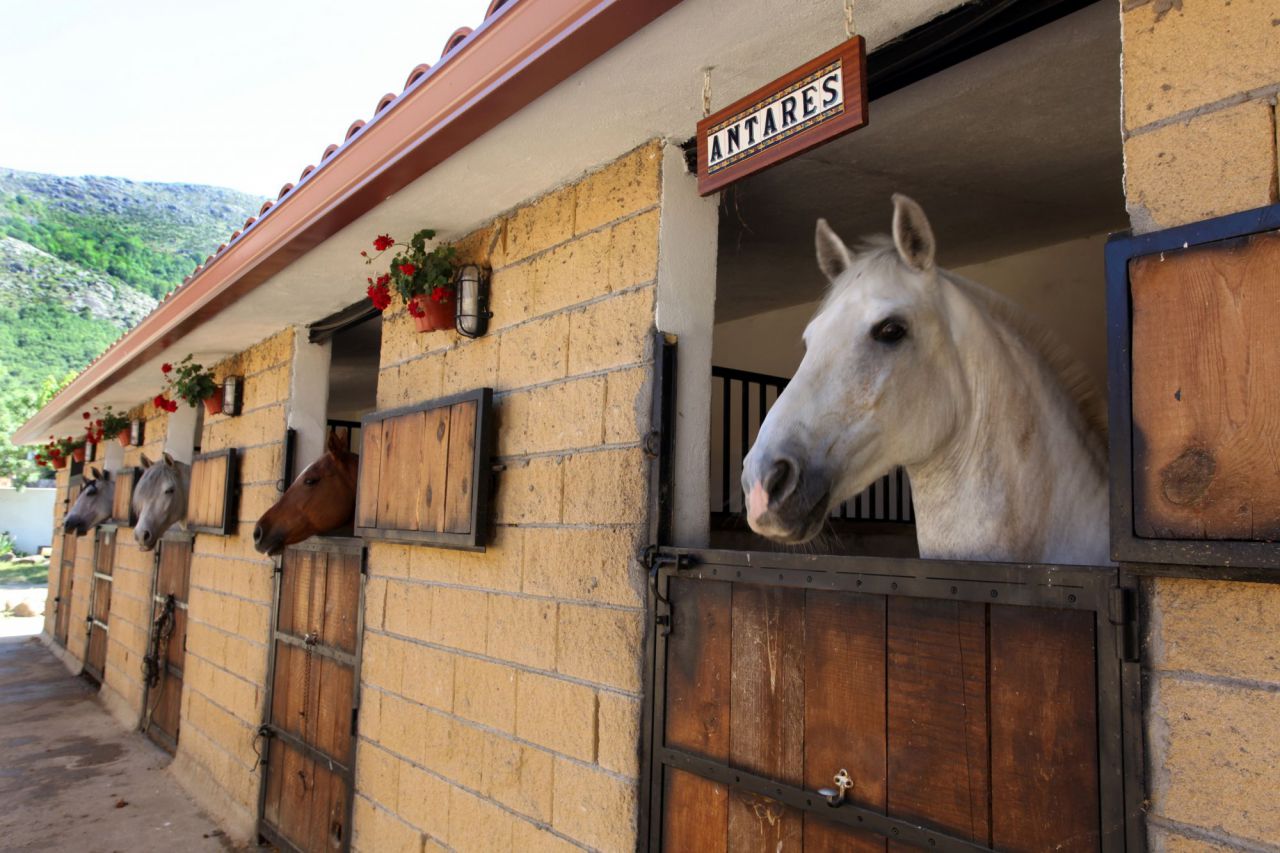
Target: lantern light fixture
{"type": "Point", "coordinates": [232, 395]}
{"type": "Point", "coordinates": [472, 314]}
{"type": "Point", "coordinates": [135, 432]}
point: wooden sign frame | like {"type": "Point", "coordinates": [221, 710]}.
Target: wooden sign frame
{"type": "Point", "coordinates": [479, 475]}
{"type": "Point", "coordinates": [230, 493]}
{"type": "Point", "coordinates": [787, 141]}
{"type": "Point", "coordinates": [1208, 558]}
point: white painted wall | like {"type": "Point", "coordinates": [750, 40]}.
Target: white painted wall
{"type": "Point", "coordinates": [27, 515]}
{"type": "Point", "coordinates": [1063, 286]}
{"type": "Point", "coordinates": [308, 397]}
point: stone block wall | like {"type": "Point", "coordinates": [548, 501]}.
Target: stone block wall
{"type": "Point", "coordinates": [134, 571]}
{"type": "Point", "coordinates": [1200, 84]}
{"type": "Point", "coordinates": [229, 609]}
{"type": "Point", "coordinates": [501, 702]}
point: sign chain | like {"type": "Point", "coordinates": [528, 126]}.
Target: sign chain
{"type": "Point", "coordinates": [706, 92]}
{"type": "Point", "coordinates": [849, 31]}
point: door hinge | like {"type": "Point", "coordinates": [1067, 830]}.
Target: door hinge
{"type": "Point", "coordinates": [1123, 613]}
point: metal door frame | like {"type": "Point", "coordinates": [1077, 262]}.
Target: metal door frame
{"type": "Point", "coordinates": [89, 620]}
{"type": "Point", "coordinates": [144, 723]}
{"type": "Point", "coordinates": [345, 770]}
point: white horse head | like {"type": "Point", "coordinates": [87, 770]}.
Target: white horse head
{"type": "Point", "coordinates": [159, 499]}
{"type": "Point", "coordinates": [93, 504]}
{"type": "Point", "coordinates": [907, 364]}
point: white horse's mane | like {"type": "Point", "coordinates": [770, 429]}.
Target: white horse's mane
{"type": "Point", "coordinates": [1058, 359]}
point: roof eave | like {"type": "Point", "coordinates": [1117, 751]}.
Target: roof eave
{"type": "Point", "coordinates": [508, 62]}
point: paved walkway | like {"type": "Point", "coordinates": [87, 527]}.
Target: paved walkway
{"type": "Point", "coordinates": [71, 778]}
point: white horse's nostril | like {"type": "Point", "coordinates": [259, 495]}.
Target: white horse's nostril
{"type": "Point", "coordinates": [780, 481]}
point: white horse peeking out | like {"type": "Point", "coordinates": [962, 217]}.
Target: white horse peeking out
{"type": "Point", "coordinates": [1001, 432]}
{"type": "Point", "coordinates": [159, 499]}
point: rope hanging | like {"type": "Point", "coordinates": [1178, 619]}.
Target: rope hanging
{"type": "Point", "coordinates": [849, 30]}
{"type": "Point", "coordinates": [706, 92]}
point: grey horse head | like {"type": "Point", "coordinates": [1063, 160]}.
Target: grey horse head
{"type": "Point", "coordinates": [93, 504]}
{"type": "Point", "coordinates": [159, 499]}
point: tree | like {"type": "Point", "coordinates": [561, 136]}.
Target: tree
{"type": "Point", "coordinates": [16, 408]}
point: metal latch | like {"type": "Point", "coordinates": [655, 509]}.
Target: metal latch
{"type": "Point", "coordinates": [835, 796]}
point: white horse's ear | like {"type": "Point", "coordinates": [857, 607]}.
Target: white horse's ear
{"type": "Point", "coordinates": [146, 463]}
{"type": "Point", "coordinates": [833, 255]}
{"type": "Point", "coordinates": [911, 234]}
{"type": "Point", "coordinates": [168, 460]}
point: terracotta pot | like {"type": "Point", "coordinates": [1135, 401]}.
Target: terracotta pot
{"type": "Point", "coordinates": [59, 463]}
{"type": "Point", "coordinates": [124, 437]}
{"type": "Point", "coordinates": [78, 454]}
{"type": "Point", "coordinates": [436, 316]}
{"type": "Point", "coordinates": [213, 405]}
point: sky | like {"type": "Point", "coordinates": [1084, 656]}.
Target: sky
{"type": "Point", "coordinates": [232, 93]}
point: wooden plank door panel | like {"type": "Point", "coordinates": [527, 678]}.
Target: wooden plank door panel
{"type": "Point", "coordinates": [104, 552]}
{"type": "Point", "coordinates": [976, 720]}
{"type": "Point", "coordinates": [66, 585]}
{"type": "Point", "coordinates": [162, 714]}
{"type": "Point", "coordinates": [306, 798]}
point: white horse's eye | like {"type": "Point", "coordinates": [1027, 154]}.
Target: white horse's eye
{"type": "Point", "coordinates": [169, 490]}
{"type": "Point", "coordinates": [889, 330]}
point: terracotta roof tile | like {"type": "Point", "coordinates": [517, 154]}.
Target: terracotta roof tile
{"type": "Point", "coordinates": [284, 190]}
{"type": "Point", "coordinates": [418, 70]}
{"type": "Point", "coordinates": [328, 152]}
{"type": "Point", "coordinates": [456, 38]}
{"type": "Point", "coordinates": [353, 129]}
{"type": "Point", "coordinates": [384, 102]}
{"type": "Point", "coordinates": [307, 171]}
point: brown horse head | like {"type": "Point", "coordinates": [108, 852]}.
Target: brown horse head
{"type": "Point", "coordinates": [321, 499]}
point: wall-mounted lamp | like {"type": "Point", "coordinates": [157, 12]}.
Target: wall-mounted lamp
{"type": "Point", "coordinates": [472, 317]}
{"type": "Point", "coordinates": [91, 451]}
{"type": "Point", "coordinates": [135, 433]}
{"type": "Point", "coordinates": [232, 395]}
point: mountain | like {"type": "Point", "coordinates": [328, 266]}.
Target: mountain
{"type": "Point", "coordinates": [82, 260]}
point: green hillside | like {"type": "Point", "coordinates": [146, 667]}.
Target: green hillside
{"type": "Point", "coordinates": [82, 260]}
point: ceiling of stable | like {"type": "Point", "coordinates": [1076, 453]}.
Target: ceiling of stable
{"type": "Point", "coordinates": [1016, 148]}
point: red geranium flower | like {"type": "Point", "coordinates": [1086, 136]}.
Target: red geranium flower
{"type": "Point", "coordinates": [439, 294]}
{"type": "Point", "coordinates": [86, 416]}
{"type": "Point", "coordinates": [159, 401]}
{"type": "Point", "coordinates": [416, 310]}
{"type": "Point", "coordinates": [166, 367]}
{"type": "Point", "coordinates": [383, 280]}
{"type": "Point", "coordinates": [408, 269]}
{"type": "Point", "coordinates": [382, 243]}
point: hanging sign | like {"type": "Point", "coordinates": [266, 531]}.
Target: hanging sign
{"type": "Point", "coordinates": [823, 99]}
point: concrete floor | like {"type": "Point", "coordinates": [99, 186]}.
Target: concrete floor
{"type": "Point", "coordinates": [72, 779]}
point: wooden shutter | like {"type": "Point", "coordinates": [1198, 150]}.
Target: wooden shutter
{"type": "Point", "coordinates": [122, 503]}
{"type": "Point", "coordinates": [425, 472]}
{"type": "Point", "coordinates": [211, 501]}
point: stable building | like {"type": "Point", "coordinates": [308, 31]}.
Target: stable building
{"type": "Point", "coordinates": [547, 624]}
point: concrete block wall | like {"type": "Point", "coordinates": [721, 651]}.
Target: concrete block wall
{"type": "Point", "coordinates": [500, 702]}
{"type": "Point", "coordinates": [229, 609]}
{"type": "Point", "coordinates": [1200, 84]}
{"type": "Point", "coordinates": [129, 623]}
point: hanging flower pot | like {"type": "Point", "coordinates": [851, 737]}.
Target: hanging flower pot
{"type": "Point", "coordinates": [213, 404]}
{"type": "Point", "coordinates": [123, 436]}
{"type": "Point", "coordinates": [78, 454]}
{"type": "Point", "coordinates": [430, 315]}
{"type": "Point", "coordinates": [59, 462]}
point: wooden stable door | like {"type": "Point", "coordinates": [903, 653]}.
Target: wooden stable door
{"type": "Point", "coordinates": [66, 581]}
{"type": "Point", "coordinates": [167, 648]}
{"type": "Point", "coordinates": [104, 558]}
{"type": "Point", "coordinates": [311, 720]}
{"type": "Point", "coordinates": [963, 710]}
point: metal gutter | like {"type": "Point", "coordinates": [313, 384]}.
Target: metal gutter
{"type": "Point", "coordinates": [516, 56]}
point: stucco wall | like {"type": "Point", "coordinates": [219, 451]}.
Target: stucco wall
{"type": "Point", "coordinates": [26, 515]}
{"type": "Point", "coordinates": [1200, 84]}
{"type": "Point", "coordinates": [501, 691]}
